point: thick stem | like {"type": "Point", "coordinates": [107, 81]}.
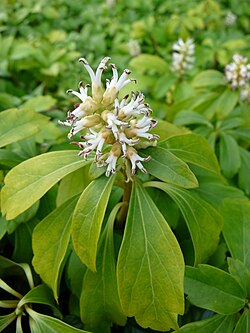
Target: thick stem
{"type": "Point", "coordinates": [121, 216]}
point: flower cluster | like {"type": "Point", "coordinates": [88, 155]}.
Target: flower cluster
{"type": "Point", "coordinates": [134, 48]}
{"type": "Point", "coordinates": [183, 56]}
{"type": "Point", "coordinates": [112, 127]}
{"type": "Point", "coordinates": [245, 94]}
{"type": "Point", "coordinates": [238, 71]}
{"type": "Point", "coordinates": [230, 19]}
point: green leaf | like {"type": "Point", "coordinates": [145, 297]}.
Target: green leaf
{"type": "Point", "coordinates": [99, 302]}
{"type": "Point", "coordinates": [42, 323]}
{"type": "Point", "coordinates": [241, 274]}
{"type": "Point", "coordinates": [50, 241]}
{"type": "Point", "coordinates": [150, 266]}
{"type": "Point", "coordinates": [36, 176]}
{"type": "Point", "coordinates": [39, 103]}
{"type": "Point", "coordinates": [236, 229]}
{"type": "Point", "coordinates": [203, 221]}
{"type": "Point", "coordinates": [226, 103]}
{"type": "Point", "coordinates": [229, 155]}
{"type": "Point", "coordinates": [211, 288]}
{"type": "Point", "coordinates": [215, 324]}
{"type": "Point", "coordinates": [18, 124]}
{"type": "Point", "coordinates": [141, 63]}
{"type": "Point", "coordinates": [184, 118]}
{"type": "Point", "coordinates": [166, 129]}
{"type": "Point", "coordinates": [244, 174]}
{"type": "Point", "coordinates": [6, 320]}
{"type": "Point", "coordinates": [244, 323]}
{"type": "Point", "coordinates": [88, 217]}
{"type": "Point", "coordinates": [209, 78]}
{"type": "Point", "coordinates": [169, 168]}
{"type": "Point", "coordinates": [40, 295]}
{"type": "Point", "coordinates": [192, 148]}
{"type": "Point", "coordinates": [9, 158]}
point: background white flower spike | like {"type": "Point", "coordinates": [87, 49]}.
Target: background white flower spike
{"type": "Point", "coordinates": [183, 56]}
{"type": "Point", "coordinates": [109, 125]}
{"type": "Point", "coordinates": [238, 71]}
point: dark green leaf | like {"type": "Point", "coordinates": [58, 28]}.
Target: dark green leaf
{"type": "Point", "coordinates": [211, 288]}
{"type": "Point", "coordinates": [244, 174]}
{"type": "Point", "coordinates": [184, 118]}
{"type": "Point", "coordinates": [241, 274]}
{"type": "Point", "coordinates": [244, 323]}
{"type": "Point", "coordinates": [229, 155]}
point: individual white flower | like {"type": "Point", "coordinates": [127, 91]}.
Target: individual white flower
{"type": "Point", "coordinates": [183, 56]}
{"type": "Point", "coordinates": [230, 19]}
{"type": "Point", "coordinates": [110, 126]}
{"type": "Point", "coordinates": [238, 71]}
{"type": "Point", "coordinates": [134, 48]}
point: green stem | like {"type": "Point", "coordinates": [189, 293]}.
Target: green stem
{"type": "Point", "coordinates": [121, 216]}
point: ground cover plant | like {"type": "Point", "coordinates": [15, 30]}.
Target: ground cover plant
{"type": "Point", "coordinates": [125, 202]}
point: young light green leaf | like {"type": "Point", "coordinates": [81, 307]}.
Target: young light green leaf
{"type": "Point", "coordinates": [150, 266]}
{"type": "Point", "coordinates": [184, 118]}
{"type": "Point", "coordinates": [241, 273]}
{"type": "Point", "coordinates": [35, 177]}
{"type": "Point", "coordinates": [209, 78]}
{"type": "Point", "coordinates": [229, 155]}
{"type": "Point", "coordinates": [39, 103]}
{"type": "Point", "coordinates": [192, 148]}
{"type": "Point", "coordinates": [236, 229]}
{"type": "Point", "coordinates": [18, 124]}
{"type": "Point", "coordinates": [169, 168]}
{"type": "Point", "coordinates": [99, 302]}
{"type": "Point", "coordinates": [215, 324]}
{"type": "Point", "coordinates": [211, 288]}
{"type": "Point", "coordinates": [6, 320]}
{"type": "Point", "coordinates": [42, 323]}
{"type": "Point", "coordinates": [87, 219]}
{"type": "Point", "coordinates": [244, 323]}
{"type": "Point", "coordinates": [140, 63]}
{"type": "Point", "coordinates": [203, 221]}
{"type": "Point", "coordinates": [50, 241]}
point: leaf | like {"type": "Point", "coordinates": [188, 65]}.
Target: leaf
{"type": "Point", "coordinates": [99, 302]}
{"type": "Point", "coordinates": [241, 274]}
{"type": "Point", "coordinates": [36, 176]}
{"type": "Point", "coordinates": [150, 266]}
{"type": "Point", "coordinates": [6, 320]}
{"type": "Point", "coordinates": [215, 324]}
{"type": "Point", "coordinates": [41, 294]}
{"type": "Point", "coordinates": [141, 63]}
{"type": "Point", "coordinates": [9, 158]}
{"type": "Point", "coordinates": [88, 217]}
{"type": "Point", "coordinates": [169, 168]}
{"type": "Point", "coordinates": [244, 323]}
{"type": "Point", "coordinates": [203, 221]}
{"type": "Point", "coordinates": [244, 174]}
{"type": "Point", "coordinates": [229, 155]}
{"type": "Point", "coordinates": [194, 149]}
{"type": "Point", "coordinates": [74, 272]}
{"type": "Point", "coordinates": [226, 103]}
{"type": "Point", "coordinates": [39, 103]}
{"type": "Point", "coordinates": [166, 129]}
{"type": "Point", "coordinates": [211, 288]}
{"type": "Point", "coordinates": [18, 124]}
{"type": "Point", "coordinates": [42, 323]}
{"type": "Point", "coordinates": [236, 213]}
{"type": "Point", "coordinates": [184, 118]}
{"type": "Point", "coordinates": [50, 241]}
{"type": "Point", "coordinates": [209, 78]}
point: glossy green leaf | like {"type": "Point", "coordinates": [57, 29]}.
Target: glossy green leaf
{"type": "Point", "coordinates": [169, 168]}
{"type": "Point", "coordinates": [184, 118]}
{"type": "Point", "coordinates": [236, 213]}
{"type": "Point", "coordinates": [243, 324]}
{"type": "Point", "coordinates": [18, 124]}
{"type": "Point", "coordinates": [99, 303]}
{"type": "Point", "coordinates": [209, 78]}
{"type": "Point", "coordinates": [215, 324]}
{"type": "Point", "coordinates": [35, 177]}
{"type": "Point", "coordinates": [241, 273]}
{"type": "Point", "coordinates": [229, 155]}
{"type": "Point", "coordinates": [150, 266]}
{"type": "Point", "coordinates": [50, 241]}
{"type": "Point", "coordinates": [6, 320]}
{"type": "Point", "coordinates": [211, 288]}
{"type": "Point", "coordinates": [192, 148]}
{"type": "Point", "coordinates": [42, 323]}
{"type": "Point", "coordinates": [88, 217]}
{"type": "Point", "coordinates": [203, 221]}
